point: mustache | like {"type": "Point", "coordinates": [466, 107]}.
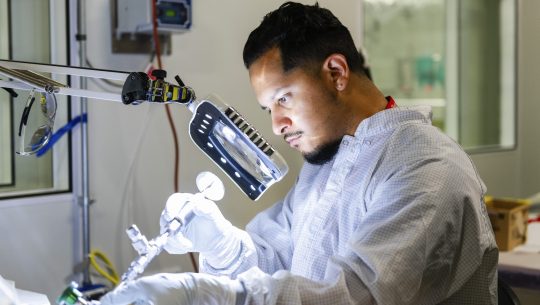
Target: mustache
{"type": "Point", "coordinates": [291, 134]}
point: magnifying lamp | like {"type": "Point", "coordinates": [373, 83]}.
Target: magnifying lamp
{"type": "Point", "coordinates": [220, 131]}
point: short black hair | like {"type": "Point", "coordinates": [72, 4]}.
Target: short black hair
{"type": "Point", "coordinates": [305, 35]}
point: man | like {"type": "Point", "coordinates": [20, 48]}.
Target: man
{"type": "Point", "coordinates": [386, 210]}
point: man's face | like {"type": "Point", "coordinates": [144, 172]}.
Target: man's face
{"type": "Point", "coordinates": [303, 107]}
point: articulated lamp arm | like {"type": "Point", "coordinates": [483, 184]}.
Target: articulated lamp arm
{"type": "Point", "coordinates": [137, 88]}
{"type": "Point", "coordinates": [222, 133]}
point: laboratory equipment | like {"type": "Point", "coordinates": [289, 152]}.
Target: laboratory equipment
{"type": "Point", "coordinates": [222, 133]}
{"type": "Point", "coordinates": [73, 296]}
{"type": "Point", "coordinates": [237, 147]}
{"type": "Point", "coordinates": [135, 16]}
{"type": "Point", "coordinates": [210, 187]}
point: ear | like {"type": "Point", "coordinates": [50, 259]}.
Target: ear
{"type": "Point", "coordinates": [337, 69]}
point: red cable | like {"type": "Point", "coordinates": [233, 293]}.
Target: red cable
{"type": "Point", "coordinates": [169, 116]}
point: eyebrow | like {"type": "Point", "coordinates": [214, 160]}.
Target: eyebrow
{"type": "Point", "coordinates": [276, 92]}
{"type": "Point", "coordinates": [273, 97]}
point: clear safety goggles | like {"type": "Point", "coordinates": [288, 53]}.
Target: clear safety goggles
{"type": "Point", "coordinates": [37, 121]}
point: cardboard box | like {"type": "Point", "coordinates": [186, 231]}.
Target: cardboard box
{"type": "Point", "coordinates": [509, 221]}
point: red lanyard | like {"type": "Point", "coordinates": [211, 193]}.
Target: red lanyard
{"type": "Point", "coordinates": [391, 103]}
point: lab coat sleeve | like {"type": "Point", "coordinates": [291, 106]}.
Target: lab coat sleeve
{"type": "Point", "coordinates": [266, 243]}
{"type": "Point", "coordinates": [422, 237]}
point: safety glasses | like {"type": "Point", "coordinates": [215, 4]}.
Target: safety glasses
{"type": "Point", "coordinates": [36, 127]}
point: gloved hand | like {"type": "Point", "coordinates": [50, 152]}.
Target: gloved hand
{"type": "Point", "coordinates": [177, 288]}
{"type": "Point", "coordinates": [205, 230]}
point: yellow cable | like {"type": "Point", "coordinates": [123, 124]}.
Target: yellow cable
{"type": "Point", "coordinates": [111, 275]}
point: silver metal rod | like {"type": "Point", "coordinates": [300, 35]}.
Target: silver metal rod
{"type": "Point", "coordinates": [30, 78]}
{"type": "Point", "coordinates": [81, 33]}
{"type": "Point", "coordinates": [106, 96]}
{"type": "Point", "coordinates": [86, 94]}
{"type": "Point", "coordinates": [59, 69]}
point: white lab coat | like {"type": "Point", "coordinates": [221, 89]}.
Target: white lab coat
{"type": "Point", "coordinates": [397, 217]}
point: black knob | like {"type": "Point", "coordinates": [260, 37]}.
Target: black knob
{"type": "Point", "coordinates": [159, 74]}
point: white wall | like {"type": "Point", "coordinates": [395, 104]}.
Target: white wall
{"type": "Point", "coordinates": [131, 150]}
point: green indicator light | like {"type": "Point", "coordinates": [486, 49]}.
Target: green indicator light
{"type": "Point", "coordinates": [170, 13]}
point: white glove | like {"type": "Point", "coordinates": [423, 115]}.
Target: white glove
{"type": "Point", "coordinates": [177, 288]}
{"type": "Point", "coordinates": [204, 230]}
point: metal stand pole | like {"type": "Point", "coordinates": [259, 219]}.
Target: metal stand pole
{"type": "Point", "coordinates": [81, 37]}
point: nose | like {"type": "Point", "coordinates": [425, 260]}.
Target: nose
{"type": "Point", "coordinates": [280, 122]}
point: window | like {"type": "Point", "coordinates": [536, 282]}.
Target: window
{"type": "Point", "coordinates": [456, 55]}
{"type": "Point", "coordinates": [33, 31]}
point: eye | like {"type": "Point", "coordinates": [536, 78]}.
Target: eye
{"type": "Point", "coordinates": [282, 100]}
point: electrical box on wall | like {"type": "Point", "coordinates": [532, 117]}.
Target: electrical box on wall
{"type": "Point", "coordinates": [135, 16]}
{"type": "Point", "coordinates": [132, 20]}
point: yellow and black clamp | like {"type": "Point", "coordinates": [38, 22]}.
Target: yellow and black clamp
{"type": "Point", "coordinates": [139, 88]}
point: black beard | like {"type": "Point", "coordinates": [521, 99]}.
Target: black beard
{"type": "Point", "coordinates": [323, 153]}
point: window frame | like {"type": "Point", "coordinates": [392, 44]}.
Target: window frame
{"type": "Point", "coordinates": [453, 118]}
{"type": "Point", "coordinates": [61, 168]}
